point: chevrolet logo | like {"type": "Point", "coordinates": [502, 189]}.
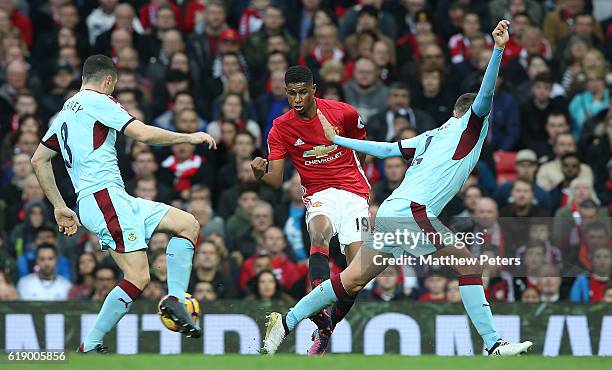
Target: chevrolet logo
{"type": "Point", "coordinates": [320, 151]}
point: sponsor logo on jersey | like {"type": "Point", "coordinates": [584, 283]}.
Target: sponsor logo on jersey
{"type": "Point", "coordinates": [320, 151]}
{"type": "Point", "coordinates": [298, 142]}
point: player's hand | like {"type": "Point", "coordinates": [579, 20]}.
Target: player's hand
{"type": "Point", "coordinates": [500, 34]}
{"type": "Point", "coordinates": [201, 138]}
{"type": "Point", "coordinates": [328, 129]}
{"type": "Point", "coordinates": [259, 165]}
{"type": "Point", "coordinates": [67, 220]}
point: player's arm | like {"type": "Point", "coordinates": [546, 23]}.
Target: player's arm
{"type": "Point", "coordinates": [66, 219]}
{"type": "Point", "coordinates": [158, 136]}
{"type": "Point", "coordinates": [373, 148]}
{"type": "Point", "coordinates": [484, 98]}
{"type": "Point", "coordinates": [270, 172]}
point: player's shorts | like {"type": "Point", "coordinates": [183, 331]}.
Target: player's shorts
{"type": "Point", "coordinates": [402, 226]}
{"type": "Point", "coordinates": [121, 221]}
{"type": "Point", "coordinates": [344, 209]}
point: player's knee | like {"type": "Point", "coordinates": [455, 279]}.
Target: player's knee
{"type": "Point", "coordinates": [190, 227]}
{"type": "Point", "coordinates": [140, 279]}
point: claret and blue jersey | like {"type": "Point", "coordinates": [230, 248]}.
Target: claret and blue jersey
{"type": "Point", "coordinates": [84, 132]}
{"type": "Point", "coordinates": [440, 159]}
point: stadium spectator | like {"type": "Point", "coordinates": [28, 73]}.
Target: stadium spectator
{"type": "Point", "coordinates": [125, 19]}
{"type": "Point", "coordinates": [85, 276]}
{"type": "Point", "coordinates": [233, 109]}
{"type": "Point", "coordinates": [365, 92]}
{"type": "Point", "coordinates": [385, 288]}
{"type": "Point", "coordinates": [452, 291]}
{"type": "Point", "coordinates": [159, 268]}
{"type": "Point", "coordinates": [268, 289]}
{"type": "Point", "coordinates": [459, 44]}
{"type": "Point", "coordinates": [595, 99]}
{"type": "Point", "coordinates": [256, 43]}
{"type": "Point", "coordinates": [252, 238]}
{"type": "Point", "coordinates": [434, 97]}
{"type": "Point", "coordinates": [526, 168]}
{"type": "Point", "coordinates": [238, 222]}
{"type": "Point", "coordinates": [394, 169]}
{"type": "Point", "coordinates": [550, 284]}
{"type": "Point", "coordinates": [290, 217]}
{"type": "Point", "coordinates": [207, 267]}
{"type": "Point", "coordinates": [385, 21]}
{"type": "Point", "coordinates": [561, 22]}
{"type": "Point", "coordinates": [380, 126]}
{"type": "Point", "coordinates": [435, 283]}
{"type": "Point", "coordinates": [530, 295]}
{"type": "Point", "coordinates": [326, 47]}
{"type": "Point", "coordinates": [608, 293]}
{"type": "Point", "coordinates": [150, 14]}
{"type": "Point", "coordinates": [204, 292]}
{"type": "Point", "coordinates": [534, 43]}
{"type": "Point", "coordinates": [486, 222]}
{"type": "Point", "coordinates": [204, 42]}
{"type": "Point", "coordinates": [591, 287]}
{"type": "Point", "coordinates": [105, 279]}
{"type": "Point", "coordinates": [274, 245]}
{"type": "Point", "coordinates": [550, 174]}
{"type": "Point", "coordinates": [538, 231]}
{"type": "Point", "coordinates": [497, 281]}
{"type": "Point", "coordinates": [556, 123]}
{"type": "Point", "coordinates": [599, 157]}
{"type": "Point", "coordinates": [531, 265]}
{"type": "Point", "coordinates": [469, 196]}
{"type": "Point", "coordinates": [7, 289]}
{"type": "Point", "coordinates": [44, 284]}
{"type": "Point", "coordinates": [251, 18]}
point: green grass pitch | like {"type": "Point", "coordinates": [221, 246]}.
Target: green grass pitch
{"type": "Point", "coordinates": [329, 362]}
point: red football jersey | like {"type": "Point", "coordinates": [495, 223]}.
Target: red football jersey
{"type": "Point", "coordinates": [320, 163]}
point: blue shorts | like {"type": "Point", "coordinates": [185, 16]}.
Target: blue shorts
{"type": "Point", "coordinates": [402, 226]}
{"type": "Point", "coordinates": [121, 221]}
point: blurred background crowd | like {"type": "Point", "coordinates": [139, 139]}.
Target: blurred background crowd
{"type": "Point", "coordinates": [541, 190]}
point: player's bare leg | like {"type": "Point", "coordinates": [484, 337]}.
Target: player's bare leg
{"type": "Point", "coordinates": [349, 282]}
{"type": "Point", "coordinates": [179, 255]}
{"type": "Point", "coordinates": [135, 268]}
{"type": "Point", "coordinates": [476, 305]}
{"type": "Point", "coordinates": [321, 337]}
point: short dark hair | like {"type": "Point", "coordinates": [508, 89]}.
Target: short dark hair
{"type": "Point", "coordinates": [45, 228]}
{"type": "Point", "coordinates": [105, 266]}
{"type": "Point", "coordinates": [570, 155]}
{"type": "Point", "coordinates": [543, 77]}
{"type": "Point", "coordinates": [398, 85]}
{"type": "Point", "coordinates": [595, 225]}
{"type": "Point", "coordinates": [97, 67]}
{"type": "Point", "coordinates": [182, 92]}
{"type": "Point", "coordinates": [298, 74]}
{"type": "Point", "coordinates": [46, 246]}
{"type": "Point", "coordinates": [248, 187]}
{"type": "Point", "coordinates": [464, 102]}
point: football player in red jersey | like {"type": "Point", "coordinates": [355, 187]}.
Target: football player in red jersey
{"type": "Point", "coordinates": [335, 187]}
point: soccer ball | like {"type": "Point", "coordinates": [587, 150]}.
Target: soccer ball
{"type": "Point", "coordinates": [191, 305]}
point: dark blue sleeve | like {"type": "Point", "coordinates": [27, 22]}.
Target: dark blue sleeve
{"type": "Point", "coordinates": [482, 104]}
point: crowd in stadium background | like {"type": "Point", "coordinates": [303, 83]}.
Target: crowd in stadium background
{"type": "Point", "coordinates": [218, 66]}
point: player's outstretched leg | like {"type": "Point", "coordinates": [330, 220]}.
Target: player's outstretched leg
{"type": "Point", "coordinates": [179, 255]}
{"type": "Point", "coordinates": [477, 307]}
{"type": "Point", "coordinates": [135, 269]}
{"type": "Point", "coordinates": [350, 282]}
{"type": "Point", "coordinates": [320, 230]}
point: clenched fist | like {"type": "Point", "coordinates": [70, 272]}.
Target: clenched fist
{"type": "Point", "coordinates": [259, 166]}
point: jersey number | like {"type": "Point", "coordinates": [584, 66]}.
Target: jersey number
{"type": "Point", "coordinates": [363, 223]}
{"type": "Point", "coordinates": [419, 159]}
{"type": "Point", "coordinates": [64, 133]}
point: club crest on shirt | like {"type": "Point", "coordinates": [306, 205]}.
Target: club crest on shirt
{"type": "Point", "coordinates": [320, 151]}
{"type": "Point", "coordinates": [131, 237]}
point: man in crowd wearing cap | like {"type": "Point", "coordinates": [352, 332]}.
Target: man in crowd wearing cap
{"type": "Point", "coordinates": [526, 168]}
{"type": "Point", "coordinates": [229, 42]}
{"type": "Point", "coordinates": [381, 125]}
{"type": "Point", "coordinates": [550, 174]}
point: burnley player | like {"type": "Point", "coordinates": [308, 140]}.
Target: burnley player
{"type": "Point", "coordinates": [441, 161]}
{"type": "Point", "coordinates": [84, 134]}
{"type": "Point", "coordinates": [335, 187]}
